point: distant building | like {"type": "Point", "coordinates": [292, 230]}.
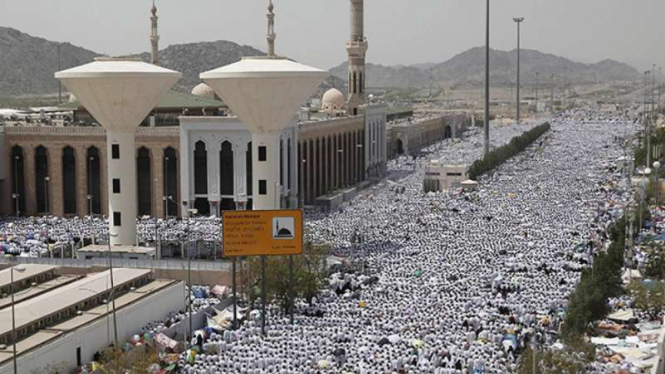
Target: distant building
{"type": "Point", "coordinates": [441, 178]}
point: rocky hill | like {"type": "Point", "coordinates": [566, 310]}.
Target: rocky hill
{"type": "Point", "coordinates": [28, 63]}
{"type": "Point", "coordinates": [467, 69]}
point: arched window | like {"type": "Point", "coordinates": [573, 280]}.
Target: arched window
{"type": "Point", "coordinates": [171, 181]}
{"type": "Point", "coordinates": [226, 168]}
{"type": "Point", "coordinates": [18, 181]}
{"type": "Point", "coordinates": [144, 182]}
{"type": "Point", "coordinates": [93, 185]}
{"type": "Point", "coordinates": [200, 168]}
{"type": "Point", "coordinates": [41, 184]}
{"type": "Point", "coordinates": [69, 180]}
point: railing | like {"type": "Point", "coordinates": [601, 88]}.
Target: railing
{"type": "Point", "coordinates": [122, 262]}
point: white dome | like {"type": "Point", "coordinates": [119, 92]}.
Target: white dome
{"type": "Point", "coordinates": [333, 100]}
{"type": "Point", "coordinates": [72, 98]}
{"type": "Point", "coordinates": [203, 90]}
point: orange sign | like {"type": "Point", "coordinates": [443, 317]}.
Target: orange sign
{"type": "Point", "coordinates": [262, 233]}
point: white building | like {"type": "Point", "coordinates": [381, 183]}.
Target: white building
{"type": "Point", "coordinates": [443, 178]}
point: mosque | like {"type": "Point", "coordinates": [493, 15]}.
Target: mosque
{"type": "Point", "coordinates": [192, 153]}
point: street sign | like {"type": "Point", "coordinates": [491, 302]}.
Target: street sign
{"type": "Point", "coordinates": [262, 233]}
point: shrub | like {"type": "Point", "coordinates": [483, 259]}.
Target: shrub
{"type": "Point", "coordinates": [500, 155]}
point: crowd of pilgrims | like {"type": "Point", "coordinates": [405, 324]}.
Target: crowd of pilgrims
{"type": "Point", "coordinates": [460, 282]}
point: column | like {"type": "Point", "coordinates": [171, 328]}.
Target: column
{"type": "Point", "coordinates": [55, 184]}
{"type": "Point", "coordinates": [157, 164]}
{"type": "Point", "coordinates": [213, 148]}
{"type": "Point", "coordinates": [240, 169]}
{"type": "Point", "coordinates": [30, 182]}
{"type": "Point", "coordinates": [103, 178]}
{"type": "Point", "coordinates": [82, 208]}
{"type": "Point", "coordinates": [122, 171]}
{"type": "Point", "coordinates": [186, 174]}
{"type": "Point", "coordinates": [266, 171]}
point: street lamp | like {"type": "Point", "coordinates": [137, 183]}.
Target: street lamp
{"type": "Point", "coordinates": [16, 195]}
{"type": "Point", "coordinates": [115, 321]}
{"type": "Point", "coordinates": [518, 21]}
{"type": "Point", "coordinates": [487, 81]}
{"type": "Point", "coordinates": [166, 184]}
{"type": "Point", "coordinates": [19, 268]}
{"type": "Point", "coordinates": [656, 166]}
{"type": "Point", "coordinates": [46, 180]}
{"type": "Point", "coordinates": [90, 160]}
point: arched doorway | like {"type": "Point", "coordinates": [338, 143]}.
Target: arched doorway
{"type": "Point", "coordinates": [18, 185]}
{"type": "Point", "coordinates": [226, 175]}
{"type": "Point", "coordinates": [399, 147]}
{"type": "Point", "coordinates": [144, 182]}
{"type": "Point", "coordinates": [171, 181]}
{"type": "Point", "coordinates": [41, 184]}
{"type": "Point", "coordinates": [69, 180]}
{"type": "Point", "coordinates": [94, 181]}
{"type": "Point", "coordinates": [201, 178]}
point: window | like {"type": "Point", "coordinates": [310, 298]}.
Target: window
{"type": "Point", "coordinates": [116, 185]}
{"type": "Point", "coordinates": [117, 221]}
{"type": "Point", "coordinates": [115, 151]}
{"type": "Point", "coordinates": [263, 153]}
{"type": "Point", "coordinates": [263, 187]}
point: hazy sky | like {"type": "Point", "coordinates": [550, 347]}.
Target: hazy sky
{"type": "Point", "coordinates": [399, 31]}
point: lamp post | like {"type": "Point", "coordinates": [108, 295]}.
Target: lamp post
{"type": "Point", "coordinates": [46, 186]}
{"type": "Point", "coordinates": [518, 21]}
{"type": "Point", "coordinates": [166, 185]}
{"type": "Point", "coordinates": [20, 268]}
{"type": "Point", "coordinates": [656, 167]}
{"type": "Point", "coordinates": [16, 195]}
{"type": "Point", "coordinates": [342, 177]}
{"type": "Point", "coordinates": [537, 74]}
{"type": "Point", "coordinates": [486, 122]}
{"type": "Point", "coordinates": [115, 321]}
{"type": "Point", "coordinates": [90, 160]}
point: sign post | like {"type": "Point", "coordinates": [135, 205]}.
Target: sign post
{"type": "Point", "coordinates": [263, 233]}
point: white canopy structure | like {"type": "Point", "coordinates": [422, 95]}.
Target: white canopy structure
{"type": "Point", "coordinates": [119, 93]}
{"type": "Point", "coordinates": [265, 93]}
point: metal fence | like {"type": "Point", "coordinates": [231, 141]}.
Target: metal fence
{"type": "Point", "coordinates": [121, 262]}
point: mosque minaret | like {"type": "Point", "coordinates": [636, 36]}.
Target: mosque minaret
{"type": "Point", "coordinates": [154, 36]}
{"type": "Point", "coordinates": [357, 49]}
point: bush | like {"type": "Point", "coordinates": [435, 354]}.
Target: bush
{"type": "Point", "coordinates": [500, 155]}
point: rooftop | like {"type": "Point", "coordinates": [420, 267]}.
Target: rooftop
{"type": "Point", "coordinates": [118, 249]}
{"type": "Point", "coordinates": [173, 99]}
{"type": "Point", "coordinates": [31, 270]}
{"type": "Point", "coordinates": [47, 304]}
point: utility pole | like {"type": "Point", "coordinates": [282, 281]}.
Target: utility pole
{"type": "Point", "coordinates": [552, 95]}
{"type": "Point", "coordinates": [537, 73]}
{"type": "Point", "coordinates": [59, 82]}
{"type": "Point", "coordinates": [518, 21]}
{"type": "Point", "coordinates": [647, 127]}
{"type": "Point", "coordinates": [487, 81]}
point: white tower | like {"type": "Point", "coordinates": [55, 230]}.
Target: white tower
{"type": "Point", "coordinates": [154, 36]}
{"type": "Point", "coordinates": [357, 49]}
{"type": "Point", "coordinates": [119, 93]}
{"type": "Point", "coordinates": [265, 93]}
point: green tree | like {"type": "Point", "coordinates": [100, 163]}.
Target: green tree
{"type": "Point", "coordinates": [648, 297]}
{"type": "Point", "coordinates": [309, 275]}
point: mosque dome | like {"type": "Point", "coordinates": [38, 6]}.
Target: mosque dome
{"type": "Point", "coordinates": [333, 100]}
{"type": "Point", "coordinates": [203, 90]}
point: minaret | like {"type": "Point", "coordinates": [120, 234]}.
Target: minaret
{"type": "Point", "coordinates": [271, 36]}
{"type": "Point", "coordinates": [356, 48]}
{"type": "Point", "coordinates": [154, 36]}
